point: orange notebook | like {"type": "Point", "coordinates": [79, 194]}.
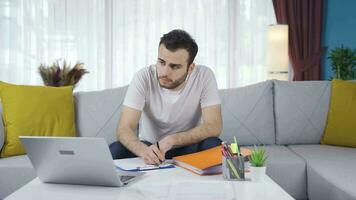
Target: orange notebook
{"type": "Point", "coordinates": [205, 162]}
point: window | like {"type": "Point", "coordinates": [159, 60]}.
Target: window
{"type": "Point", "coordinates": [116, 38]}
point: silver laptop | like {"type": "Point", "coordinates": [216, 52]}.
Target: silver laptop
{"type": "Point", "coordinates": [74, 160]}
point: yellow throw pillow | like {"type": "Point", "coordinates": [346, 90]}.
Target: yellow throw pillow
{"type": "Point", "coordinates": [35, 111]}
{"type": "Point", "coordinates": [341, 129]}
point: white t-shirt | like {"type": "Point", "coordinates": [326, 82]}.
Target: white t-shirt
{"type": "Point", "coordinates": [168, 112]}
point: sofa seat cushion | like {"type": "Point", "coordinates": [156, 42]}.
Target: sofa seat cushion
{"type": "Point", "coordinates": [15, 172]}
{"type": "Point", "coordinates": [288, 170]}
{"type": "Point", "coordinates": [330, 169]}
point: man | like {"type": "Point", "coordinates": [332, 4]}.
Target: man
{"type": "Point", "coordinates": [179, 103]}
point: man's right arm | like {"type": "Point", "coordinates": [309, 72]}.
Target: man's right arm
{"type": "Point", "coordinates": [128, 124]}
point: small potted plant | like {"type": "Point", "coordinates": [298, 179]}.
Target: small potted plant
{"type": "Point", "coordinates": [258, 160]}
{"type": "Point", "coordinates": [58, 75]}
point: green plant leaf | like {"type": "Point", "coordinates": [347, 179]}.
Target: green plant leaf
{"type": "Point", "coordinates": [258, 157]}
{"type": "Point", "coordinates": [343, 62]}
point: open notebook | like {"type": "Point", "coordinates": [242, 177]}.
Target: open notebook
{"type": "Point", "coordinates": [205, 162]}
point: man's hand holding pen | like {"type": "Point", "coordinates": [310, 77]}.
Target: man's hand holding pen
{"type": "Point", "coordinates": [155, 153]}
{"type": "Point", "coordinates": [152, 155]}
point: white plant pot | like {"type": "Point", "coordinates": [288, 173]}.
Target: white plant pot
{"type": "Point", "coordinates": [257, 173]}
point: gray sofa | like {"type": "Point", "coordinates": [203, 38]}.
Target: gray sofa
{"type": "Point", "coordinates": [288, 117]}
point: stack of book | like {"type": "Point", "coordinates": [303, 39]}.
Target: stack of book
{"type": "Point", "coordinates": [207, 162]}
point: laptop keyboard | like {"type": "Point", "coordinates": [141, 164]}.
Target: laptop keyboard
{"type": "Point", "coordinates": [126, 178]}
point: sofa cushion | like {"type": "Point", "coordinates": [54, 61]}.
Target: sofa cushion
{"type": "Point", "coordinates": [2, 136]}
{"type": "Point", "coordinates": [340, 128]}
{"type": "Point", "coordinates": [15, 172]}
{"type": "Point", "coordinates": [35, 111]}
{"type": "Point", "coordinates": [300, 110]}
{"type": "Point", "coordinates": [330, 169]}
{"type": "Point", "coordinates": [288, 170]}
{"type": "Point", "coordinates": [98, 112]}
{"type": "Point", "coordinates": [247, 113]}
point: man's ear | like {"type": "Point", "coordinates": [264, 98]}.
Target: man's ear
{"type": "Point", "coordinates": [190, 68]}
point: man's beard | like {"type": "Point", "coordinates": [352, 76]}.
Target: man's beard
{"type": "Point", "coordinates": [175, 83]}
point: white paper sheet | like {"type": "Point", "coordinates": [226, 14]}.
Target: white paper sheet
{"type": "Point", "coordinates": [138, 163]}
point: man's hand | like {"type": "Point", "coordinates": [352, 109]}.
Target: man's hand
{"type": "Point", "coordinates": [152, 155]}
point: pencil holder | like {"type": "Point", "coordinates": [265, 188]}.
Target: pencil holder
{"type": "Point", "coordinates": [233, 168]}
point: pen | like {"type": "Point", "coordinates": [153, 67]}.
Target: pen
{"type": "Point", "coordinates": [232, 167]}
{"type": "Point", "coordinates": [228, 150]}
{"type": "Point", "coordinates": [223, 151]}
{"type": "Point", "coordinates": [157, 144]}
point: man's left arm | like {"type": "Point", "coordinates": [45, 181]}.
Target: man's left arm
{"type": "Point", "coordinates": [211, 127]}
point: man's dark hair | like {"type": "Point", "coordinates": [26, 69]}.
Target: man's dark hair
{"type": "Point", "coordinates": [180, 39]}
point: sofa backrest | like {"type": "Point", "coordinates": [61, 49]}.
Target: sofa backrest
{"type": "Point", "coordinates": [301, 110]}
{"type": "Point", "coordinates": [247, 113]}
{"type": "Point", "coordinates": [269, 112]}
{"type": "Point", "coordinates": [98, 112]}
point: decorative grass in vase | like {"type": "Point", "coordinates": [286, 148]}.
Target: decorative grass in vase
{"type": "Point", "coordinates": [65, 75]}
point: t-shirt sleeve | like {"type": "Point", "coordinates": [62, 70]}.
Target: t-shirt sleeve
{"type": "Point", "coordinates": [210, 94]}
{"type": "Point", "coordinates": [136, 93]}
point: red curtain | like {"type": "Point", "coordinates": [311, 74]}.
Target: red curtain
{"type": "Point", "coordinates": [305, 20]}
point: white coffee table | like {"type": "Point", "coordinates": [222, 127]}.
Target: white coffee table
{"type": "Point", "coordinates": [175, 183]}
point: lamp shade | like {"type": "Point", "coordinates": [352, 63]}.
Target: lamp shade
{"type": "Point", "coordinates": [277, 49]}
